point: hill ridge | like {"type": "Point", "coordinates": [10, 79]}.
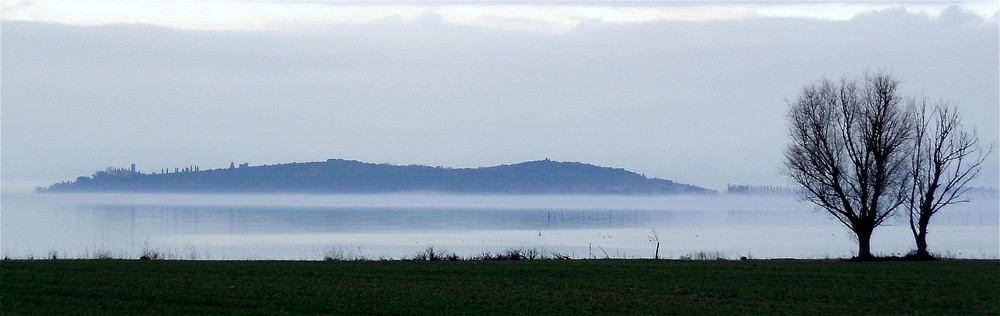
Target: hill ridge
{"type": "Point", "coordinates": [351, 176]}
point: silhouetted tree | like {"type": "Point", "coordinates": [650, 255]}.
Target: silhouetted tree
{"type": "Point", "coordinates": [850, 151]}
{"type": "Point", "coordinates": [946, 157]}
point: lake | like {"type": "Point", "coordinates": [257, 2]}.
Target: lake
{"type": "Point", "coordinates": [308, 227]}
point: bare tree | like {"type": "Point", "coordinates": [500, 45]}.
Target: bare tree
{"type": "Point", "coordinates": [945, 158]}
{"type": "Point", "coordinates": [850, 150]}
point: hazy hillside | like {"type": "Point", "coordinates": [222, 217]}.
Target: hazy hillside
{"type": "Point", "coordinates": [346, 176]}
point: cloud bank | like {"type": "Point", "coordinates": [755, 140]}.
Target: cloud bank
{"type": "Point", "coordinates": [699, 102]}
{"type": "Point", "coordinates": [540, 16]}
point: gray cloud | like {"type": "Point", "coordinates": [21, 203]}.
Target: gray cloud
{"type": "Point", "coordinates": [696, 102]}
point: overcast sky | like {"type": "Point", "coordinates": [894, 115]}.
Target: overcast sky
{"type": "Point", "coordinates": [695, 93]}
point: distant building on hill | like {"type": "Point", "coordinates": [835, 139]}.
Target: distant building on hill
{"type": "Point", "coordinates": [117, 172]}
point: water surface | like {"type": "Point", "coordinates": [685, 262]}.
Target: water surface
{"type": "Point", "coordinates": [400, 225]}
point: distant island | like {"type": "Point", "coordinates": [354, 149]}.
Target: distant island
{"type": "Point", "coordinates": [348, 176]}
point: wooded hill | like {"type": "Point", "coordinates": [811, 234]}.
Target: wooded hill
{"type": "Point", "coordinates": [346, 176]}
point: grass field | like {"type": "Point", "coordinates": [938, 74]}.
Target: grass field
{"type": "Point", "coordinates": [537, 287]}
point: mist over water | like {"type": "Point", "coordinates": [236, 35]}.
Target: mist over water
{"type": "Point", "coordinates": [400, 225]}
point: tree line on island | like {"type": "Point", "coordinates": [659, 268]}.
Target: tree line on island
{"type": "Point", "coordinates": [346, 176]}
{"type": "Point", "coordinates": [759, 189]}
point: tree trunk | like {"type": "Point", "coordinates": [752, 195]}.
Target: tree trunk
{"type": "Point", "coordinates": [922, 245]}
{"type": "Point", "coordinates": [921, 238]}
{"type": "Point", "coordinates": [864, 244]}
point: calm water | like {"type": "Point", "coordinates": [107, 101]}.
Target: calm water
{"type": "Point", "coordinates": [397, 226]}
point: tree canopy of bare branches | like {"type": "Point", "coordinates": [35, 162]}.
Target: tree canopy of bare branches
{"type": "Point", "coordinates": [946, 156]}
{"type": "Point", "coordinates": [850, 151]}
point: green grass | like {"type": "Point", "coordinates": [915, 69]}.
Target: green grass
{"type": "Point", "coordinates": [536, 287]}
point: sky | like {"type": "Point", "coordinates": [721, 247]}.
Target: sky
{"type": "Point", "coordinates": [694, 92]}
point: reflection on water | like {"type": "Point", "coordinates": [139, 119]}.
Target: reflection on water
{"type": "Point", "coordinates": [304, 226]}
{"type": "Point", "coordinates": [343, 219]}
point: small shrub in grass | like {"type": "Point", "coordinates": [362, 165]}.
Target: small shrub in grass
{"type": "Point", "coordinates": [518, 254]}
{"type": "Point", "coordinates": [103, 255]}
{"type": "Point", "coordinates": [704, 255]}
{"type": "Point", "coordinates": [513, 255]}
{"type": "Point", "coordinates": [149, 254]}
{"type": "Point", "coordinates": [340, 254]}
{"type": "Point", "coordinates": [560, 256]}
{"type": "Point", "coordinates": [430, 254]}
{"type": "Point", "coordinates": [917, 256]}
{"type": "Point", "coordinates": [334, 254]}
